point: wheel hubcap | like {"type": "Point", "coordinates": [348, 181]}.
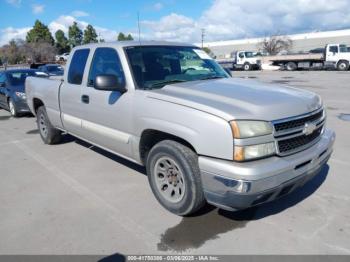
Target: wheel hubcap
{"type": "Point", "coordinates": [42, 125]}
{"type": "Point", "coordinates": [169, 179]}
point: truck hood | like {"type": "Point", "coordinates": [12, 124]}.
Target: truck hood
{"type": "Point", "coordinates": [233, 98]}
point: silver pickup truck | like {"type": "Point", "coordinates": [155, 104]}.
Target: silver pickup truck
{"type": "Point", "coordinates": [202, 135]}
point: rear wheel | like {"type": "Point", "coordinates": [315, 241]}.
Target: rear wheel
{"type": "Point", "coordinates": [291, 66]}
{"type": "Point", "coordinates": [48, 133]}
{"type": "Point", "coordinates": [343, 65]}
{"type": "Point", "coordinates": [12, 108]}
{"type": "Point", "coordinates": [174, 177]}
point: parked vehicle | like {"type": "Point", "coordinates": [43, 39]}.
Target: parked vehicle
{"type": "Point", "coordinates": [12, 94]}
{"type": "Point", "coordinates": [61, 58]}
{"type": "Point", "coordinates": [317, 51]}
{"type": "Point", "coordinates": [52, 69]}
{"type": "Point", "coordinates": [335, 56]}
{"type": "Point", "coordinates": [245, 60]}
{"type": "Point", "coordinates": [202, 135]}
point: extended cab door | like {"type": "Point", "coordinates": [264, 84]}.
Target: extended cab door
{"type": "Point", "coordinates": [70, 94]}
{"type": "Point", "coordinates": [107, 114]}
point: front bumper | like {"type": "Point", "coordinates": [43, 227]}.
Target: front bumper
{"type": "Point", "coordinates": [263, 180]}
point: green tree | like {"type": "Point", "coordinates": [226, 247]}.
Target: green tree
{"type": "Point", "coordinates": [62, 43]}
{"type": "Point", "coordinates": [123, 37]}
{"type": "Point", "coordinates": [90, 35]}
{"type": "Point", "coordinates": [39, 33]}
{"type": "Point", "coordinates": [75, 35]}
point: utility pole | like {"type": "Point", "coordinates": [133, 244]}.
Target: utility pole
{"type": "Point", "coordinates": [203, 35]}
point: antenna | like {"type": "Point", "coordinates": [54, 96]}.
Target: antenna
{"type": "Point", "coordinates": [138, 25]}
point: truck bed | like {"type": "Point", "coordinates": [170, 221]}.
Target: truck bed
{"type": "Point", "coordinates": [295, 58]}
{"type": "Point", "coordinates": [46, 90]}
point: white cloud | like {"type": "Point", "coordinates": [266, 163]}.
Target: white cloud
{"type": "Point", "coordinates": [229, 19]}
{"type": "Point", "coordinates": [79, 13]}
{"type": "Point", "coordinates": [65, 21]}
{"type": "Point", "coordinates": [37, 9]}
{"type": "Point", "coordinates": [10, 33]}
{"type": "Point", "coordinates": [158, 6]}
{"type": "Point", "coordinates": [16, 3]}
{"type": "Point", "coordinates": [224, 19]}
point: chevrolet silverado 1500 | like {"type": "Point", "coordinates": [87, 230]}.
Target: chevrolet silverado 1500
{"type": "Point", "coordinates": [202, 135]}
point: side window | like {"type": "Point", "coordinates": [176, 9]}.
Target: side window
{"type": "Point", "coordinates": [2, 78]}
{"type": "Point", "coordinates": [105, 62]}
{"type": "Point", "coordinates": [333, 49]}
{"type": "Point", "coordinates": [241, 55]}
{"type": "Point", "coordinates": [77, 66]}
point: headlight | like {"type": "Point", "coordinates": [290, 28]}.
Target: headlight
{"type": "Point", "coordinates": [243, 153]}
{"type": "Point", "coordinates": [21, 95]}
{"type": "Point", "coordinates": [250, 128]}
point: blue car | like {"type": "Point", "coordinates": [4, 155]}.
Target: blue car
{"type": "Point", "coordinates": [52, 69]}
{"type": "Point", "coordinates": [12, 93]}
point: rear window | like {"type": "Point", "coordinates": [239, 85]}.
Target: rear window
{"type": "Point", "coordinates": [18, 78]}
{"type": "Point", "coordinates": [77, 66]}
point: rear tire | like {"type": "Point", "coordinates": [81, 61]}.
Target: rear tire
{"type": "Point", "coordinates": [291, 66]}
{"type": "Point", "coordinates": [343, 65]}
{"type": "Point", "coordinates": [174, 177]}
{"type": "Point", "coordinates": [48, 133]}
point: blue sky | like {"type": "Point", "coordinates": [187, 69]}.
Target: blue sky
{"type": "Point", "coordinates": [178, 20]}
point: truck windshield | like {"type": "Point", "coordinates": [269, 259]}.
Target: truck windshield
{"type": "Point", "coordinates": [157, 66]}
{"type": "Point", "coordinates": [249, 54]}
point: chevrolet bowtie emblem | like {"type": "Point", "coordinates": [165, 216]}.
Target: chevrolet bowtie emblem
{"type": "Point", "coordinates": [309, 128]}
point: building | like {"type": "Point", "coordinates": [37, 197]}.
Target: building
{"type": "Point", "coordinates": [301, 42]}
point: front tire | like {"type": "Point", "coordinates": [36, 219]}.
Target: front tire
{"type": "Point", "coordinates": [174, 177]}
{"type": "Point", "coordinates": [247, 67]}
{"type": "Point", "coordinates": [12, 108]}
{"type": "Point", "coordinates": [343, 66]}
{"type": "Point", "coordinates": [48, 133]}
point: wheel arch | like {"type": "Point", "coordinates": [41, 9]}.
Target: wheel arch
{"type": "Point", "coordinates": [150, 137]}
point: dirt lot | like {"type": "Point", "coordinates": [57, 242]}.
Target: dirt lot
{"type": "Point", "coordinates": [73, 198]}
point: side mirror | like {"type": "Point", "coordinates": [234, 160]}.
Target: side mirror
{"type": "Point", "coordinates": [2, 84]}
{"type": "Point", "coordinates": [228, 71]}
{"type": "Point", "coordinates": [109, 83]}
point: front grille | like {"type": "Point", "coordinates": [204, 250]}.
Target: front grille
{"type": "Point", "coordinates": [294, 143]}
{"type": "Point", "coordinates": [297, 122]}
{"type": "Point", "coordinates": [291, 136]}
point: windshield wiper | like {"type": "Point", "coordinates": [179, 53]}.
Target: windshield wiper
{"type": "Point", "coordinates": [212, 77]}
{"type": "Point", "coordinates": [163, 83]}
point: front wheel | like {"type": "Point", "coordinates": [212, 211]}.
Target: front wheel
{"type": "Point", "coordinates": [246, 67]}
{"type": "Point", "coordinates": [174, 177]}
{"type": "Point", "coordinates": [343, 66]}
{"type": "Point", "coordinates": [48, 133]}
{"type": "Point", "coordinates": [12, 108]}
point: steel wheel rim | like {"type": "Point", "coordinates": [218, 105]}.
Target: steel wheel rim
{"type": "Point", "coordinates": [12, 108]}
{"type": "Point", "coordinates": [43, 126]}
{"type": "Point", "coordinates": [169, 179]}
{"type": "Point", "coordinates": [342, 66]}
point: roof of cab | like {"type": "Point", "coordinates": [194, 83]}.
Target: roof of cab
{"type": "Point", "coordinates": [133, 43]}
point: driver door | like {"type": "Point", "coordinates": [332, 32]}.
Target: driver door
{"type": "Point", "coordinates": [107, 116]}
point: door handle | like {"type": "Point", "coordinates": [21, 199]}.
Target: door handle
{"type": "Point", "coordinates": [85, 99]}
